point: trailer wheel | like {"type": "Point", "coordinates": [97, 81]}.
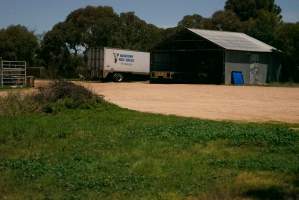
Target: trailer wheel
{"type": "Point", "coordinates": [118, 77]}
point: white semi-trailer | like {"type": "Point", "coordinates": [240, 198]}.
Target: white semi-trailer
{"type": "Point", "coordinates": [117, 64]}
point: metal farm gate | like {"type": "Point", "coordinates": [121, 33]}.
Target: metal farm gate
{"type": "Point", "coordinates": [13, 73]}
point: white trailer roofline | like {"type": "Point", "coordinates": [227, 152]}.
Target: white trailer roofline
{"type": "Point", "coordinates": [125, 50]}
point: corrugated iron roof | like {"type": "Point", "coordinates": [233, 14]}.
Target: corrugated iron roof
{"type": "Point", "coordinates": [234, 41]}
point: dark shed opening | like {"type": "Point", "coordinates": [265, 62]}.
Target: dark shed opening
{"type": "Point", "coordinates": [191, 57]}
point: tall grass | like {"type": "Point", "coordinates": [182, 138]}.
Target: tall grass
{"type": "Point", "coordinates": [14, 103]}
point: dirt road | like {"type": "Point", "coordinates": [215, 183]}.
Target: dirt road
{"type": "Point", "coordinates": [258, 104]}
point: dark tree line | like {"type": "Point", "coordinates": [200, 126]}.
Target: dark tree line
{"type": "Point", "coordinates": [62, 49]}
{"type": "Point", "coordinates": [17, 43]}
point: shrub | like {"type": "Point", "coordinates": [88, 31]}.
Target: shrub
{"type": "Point", "coordinates": [62, 89]}
{"type": "Point", "coordinates": [55, 97]}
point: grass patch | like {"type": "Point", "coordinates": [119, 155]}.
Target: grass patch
{"type": "Point", "coordinates": [105, 152]}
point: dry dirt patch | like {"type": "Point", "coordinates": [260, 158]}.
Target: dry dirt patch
{"type": "Point", "coordinates": [248, 103]}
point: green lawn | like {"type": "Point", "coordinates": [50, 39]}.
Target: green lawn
{"type": "Point", "coordinates": [112, 153]}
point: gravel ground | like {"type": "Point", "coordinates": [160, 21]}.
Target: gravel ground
{"type": "Point", "coordinates": [248, 103]}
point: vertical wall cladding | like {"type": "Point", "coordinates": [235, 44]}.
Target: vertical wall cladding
{"type": "Point", "coordinates": [237, 67]}
{"type": "Point", "coordinates": [94, 62]}
{"type": "Point", "coordinates": [254, 66]}
{"type": "Point", "coordinates": [237, 61]}
{"type": "Point", "coordinates": [258, 74]}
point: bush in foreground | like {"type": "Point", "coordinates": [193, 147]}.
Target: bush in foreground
{"type": "Point", "coordinates": [57, 96]}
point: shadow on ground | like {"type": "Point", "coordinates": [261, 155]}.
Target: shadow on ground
{"type": "Point", "coordinates": [275, 193]}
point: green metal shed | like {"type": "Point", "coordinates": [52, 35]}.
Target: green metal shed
{"type": "Point", "coordinates": [212, 56]}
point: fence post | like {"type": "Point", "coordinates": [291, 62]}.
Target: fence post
{"type": "Point", "coordinates": [1, 68]}
{"type": "Point", "coordinates": [25, 81]}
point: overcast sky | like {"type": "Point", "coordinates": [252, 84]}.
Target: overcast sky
{"type": "Point", "coordinates": [41, 15]}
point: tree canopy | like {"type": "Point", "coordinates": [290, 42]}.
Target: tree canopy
{"type": "Point", "coordinates": [287, 40]}
{"type": "Point", "coordinates": [250, 8]}
{"type": "Point", "coordinates": [18, 43]}
{"type": "Point", "coordinates": [226, 20]}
